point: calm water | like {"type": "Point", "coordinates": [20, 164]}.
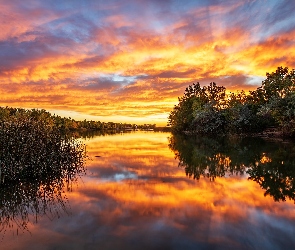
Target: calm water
{"type": "Point", "coordinates": [141, 193]}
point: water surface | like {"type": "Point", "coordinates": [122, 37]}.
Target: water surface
{"type": "Point", "coordinates": [140, 193]}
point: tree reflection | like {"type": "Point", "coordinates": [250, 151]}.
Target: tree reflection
{"type": "Point", "coordinates": [21, 201]}
{"type": "Point", "coordinates": [270, 164]}
{"type": "Point", "coordinates": [277, 174]}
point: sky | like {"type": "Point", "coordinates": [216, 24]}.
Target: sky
{"type": "Point", "coordinates": [130, 60]}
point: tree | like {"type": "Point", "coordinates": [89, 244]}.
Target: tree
{"type": "Point", "coordinates": [278, 91]}
{"type": "Point", "coordinates": [279, 83]}
{"type": "Point", "coordinates": [181, 116]}
{"type": "Point", "coordinates": [195, 100]}
{"type": "Point", "coordinates": [208, 110]}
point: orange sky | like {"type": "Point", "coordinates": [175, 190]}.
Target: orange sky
{"type": "Point", "coordinates": [128, 61]}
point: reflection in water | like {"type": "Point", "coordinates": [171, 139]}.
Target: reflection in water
{"type": "Point", "coordinates": [20, 201]}
{"type": "Point", "coordinates": [135, 197]}
{"type": "Point", "coordinates": [31, 199]}
{"type": "Point", "coordinates": [271, 164]}
{"type": "Point", "coordinates": [276, 176]}
{"type": "Point", "coordinates": [87, 134]}
{"type": "Point", "coordinates": [37, 166]}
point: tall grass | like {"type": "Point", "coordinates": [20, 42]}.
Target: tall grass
{"type": "Point", "coordinates": [31, 149]}
{"type": "Point", "coordinates": [37, 164]}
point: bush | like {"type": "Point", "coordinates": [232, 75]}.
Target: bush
{"type": "Point", "coordinates": [209, 121]}
{"type": "Point", "coordinates": [31, 149]}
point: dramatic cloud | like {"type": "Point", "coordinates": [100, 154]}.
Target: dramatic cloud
{"type": "Point", "coordinates": [130, 60]}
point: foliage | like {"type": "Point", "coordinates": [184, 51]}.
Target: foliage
{"type": "Point", "coordinates": [65, 124]}
{"type": "Point", "coordinates": [278, 84]}
{"type": "Point", "coordinates": [25, 198]}
{"type": "Point", "coordinates": [215, 120]}
{"type": "Point", "coordinates": [31, 149]}
{"type": "Point", "coordinates": [37, 162]}
{"type": "Point", "coordinates": [195, 100]}
{"type": "Point", "coordinates": [244, 118]}
{"type": "Point", "coordinates": [208, 110]}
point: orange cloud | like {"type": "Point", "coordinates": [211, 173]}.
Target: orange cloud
{"type": "Point", "coordinates": [61, 58]}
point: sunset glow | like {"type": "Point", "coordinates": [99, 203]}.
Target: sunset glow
{"type": "Point", "coordinates": [128, 61]}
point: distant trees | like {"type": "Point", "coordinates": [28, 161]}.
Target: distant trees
{"type": "Point", "coordinates": [67, 124]}
{"type": "Point", "coordinates": [209, 110]}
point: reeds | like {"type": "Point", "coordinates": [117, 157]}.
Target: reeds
{"type": "Point", "coordinates": [37, 164]}
{"type": "Point", "coordinates": [31, 149]}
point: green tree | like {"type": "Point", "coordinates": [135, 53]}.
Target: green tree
{"type": "Point", "coordinates": [278, 91]}
{"type": "Point", "coordinates": [209, 121]}
{"type": "Point", "coordinates": [195, 101]}
{"type": "Point", "coordinates": [208, 110]}
{"type": "Point", "coordinates": [181, 117]}
{"type": "Point", "coordinates": [279, 83]}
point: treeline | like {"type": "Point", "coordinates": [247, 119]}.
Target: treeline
{"type": "Point", "coordinates": [64, 123]}
{"type": "Point", "coordinates": [210, 110]}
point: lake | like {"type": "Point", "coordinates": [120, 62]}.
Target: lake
{"type": "Point", "coordinates": [150, 190]}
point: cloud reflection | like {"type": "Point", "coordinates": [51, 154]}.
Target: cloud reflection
{"type": "Point", "coordinates": [162, 207]}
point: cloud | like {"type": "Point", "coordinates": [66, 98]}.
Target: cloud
{"type": "Point", "coordinates": [132, 53]}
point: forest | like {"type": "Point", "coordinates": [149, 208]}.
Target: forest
{"type": "Point", "coordinates": [210, 110]}
{"type": "Point", "coordinates": [65, 123]}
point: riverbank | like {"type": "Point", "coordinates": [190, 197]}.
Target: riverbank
{"type": "Point", "coordinates": [273, 134]}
